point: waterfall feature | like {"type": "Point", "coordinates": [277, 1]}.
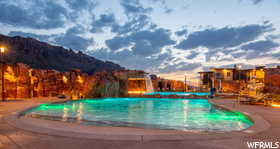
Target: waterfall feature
{"type": "Point", "coordinates": [149, 84]}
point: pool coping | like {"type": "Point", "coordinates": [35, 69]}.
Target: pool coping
{"type": "Point", "coordinates": [76, 130]}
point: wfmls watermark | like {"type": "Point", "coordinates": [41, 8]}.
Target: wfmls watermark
{"type": "Point", "coordinates": [263, 145]}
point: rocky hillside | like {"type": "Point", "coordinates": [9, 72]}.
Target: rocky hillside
{"type": "Point", "coordinates": [42, 55]}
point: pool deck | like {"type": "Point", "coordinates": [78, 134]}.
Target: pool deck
{"type": "Point", "coordinates": [23, 133]}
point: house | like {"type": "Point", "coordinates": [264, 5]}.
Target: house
{"type": "Point", "coordinates": [234, 79]}
{"type": "Point", "coordinates": [272, 80]}
{"type": "Point", "coordinates": [206, 79]}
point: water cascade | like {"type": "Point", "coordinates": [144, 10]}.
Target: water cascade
{"type": "Point", "coordinates": [149, 84]}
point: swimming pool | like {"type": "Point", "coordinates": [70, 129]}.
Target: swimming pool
{"type": "Point", "coordinates": [179, 93]}
{"type": "Point", "coordinates": [161, 113]}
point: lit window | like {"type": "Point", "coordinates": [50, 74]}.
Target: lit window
{"type": "Point", "coordinates": [228, 74]}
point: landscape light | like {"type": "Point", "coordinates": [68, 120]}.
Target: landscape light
{"type": "Point", "coordinates": [2, 50]}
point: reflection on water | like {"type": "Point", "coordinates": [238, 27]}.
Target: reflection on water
{"type": "Point", "coordinates": [65, 114]}
{"type": "Point", "coordinates": [80, 111]}
{"type": "Point", "coordinates": [179, 93]}
{"type": "Point", "coordinates": [183, 114]}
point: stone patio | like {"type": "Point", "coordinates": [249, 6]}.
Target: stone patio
{"type": "Point", "coordinates": [14, 138]}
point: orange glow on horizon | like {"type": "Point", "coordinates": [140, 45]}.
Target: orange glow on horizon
{"type": "Point", "coordinates": [136, 92]}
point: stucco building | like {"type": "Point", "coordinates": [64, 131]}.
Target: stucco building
{"type": "Point", "coordinates": [253, 81]}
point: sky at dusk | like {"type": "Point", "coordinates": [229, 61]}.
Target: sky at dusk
{"type": "Point", "coordinates": [171, 38]}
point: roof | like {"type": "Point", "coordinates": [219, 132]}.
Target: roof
{"type": "Point", "coordinates": [223, 68]}
{"type": "Point", "coordinates": [206, 72]}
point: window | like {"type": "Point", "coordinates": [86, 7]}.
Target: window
{"type": "Point", "coordinates": [218, 75]}
{"type": "Point", "coordinates": [228, 74]}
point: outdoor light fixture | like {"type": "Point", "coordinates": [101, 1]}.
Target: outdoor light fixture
{"type": "Point", "coordinates": [80, 79]}
{"type": "Point", "coordinates": [64, 78]}
{"type": "Point", "coordinates": [2, 50]}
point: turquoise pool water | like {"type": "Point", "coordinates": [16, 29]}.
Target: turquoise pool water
{"type": "Point", "coordinates": [179, 93]}
{"type": "Point", "coordinates": [180, 114]}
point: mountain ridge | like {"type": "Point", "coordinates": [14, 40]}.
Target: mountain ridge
{"type": "Point", "coordinates": [42, 55]}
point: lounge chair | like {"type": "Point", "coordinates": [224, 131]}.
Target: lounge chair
{"type": "Point", "coordinates": [259, 99]}
{"type": "Point", "coordinates": [269, 99]}
{"type": "Point", "coordinates": [243, 97]}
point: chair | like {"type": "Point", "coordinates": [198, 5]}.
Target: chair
{"type": "Point", "coordinates": [243, 97]}
{"type": "Point", "coordinates": [246, 98]}
{"type": "Point", "coordinates": [259, 99]}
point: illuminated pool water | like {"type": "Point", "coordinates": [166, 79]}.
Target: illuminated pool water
{"type": "Point", "coordinates": [180, 114]}
{"type": "Point", "coordinates": [179, 93]}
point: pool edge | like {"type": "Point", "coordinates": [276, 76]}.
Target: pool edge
{"type": "Point", "coordinates": [259, 123]}
{"type": "Point", "coordinates": [143, 134]}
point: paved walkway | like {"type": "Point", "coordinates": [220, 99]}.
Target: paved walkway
{"type": "Point", "coordinates": [13, 138]}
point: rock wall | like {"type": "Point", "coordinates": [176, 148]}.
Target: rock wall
{"type": "Point", "coordinates": [21, 81]}
{"type": "Point", "coordinates": [137, 85]}
{"type": "Point", "coordinates": [272, 80]}
{"type": "Point", "coordinates": [168, 85]}
{"type": "Point", "coordinates": [107, 85]}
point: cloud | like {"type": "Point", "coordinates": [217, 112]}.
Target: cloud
{"type": "Point", "coordinates": [273, 37]}
{"type": "Point", "coordinates": [75, 30]}
{"type": "Point", "coordinates": [256, 1]}
{"type": "Point", "coordinates": [72, 39]}
{"type": "Point", "coordinates": [192, 55]}
{"type": "Point", "coordinates": [181, 32]}
{"type": "Point", "coordinates": [143, 43]}
{"type": "Point", "coordinates": [106, 54]}
{"type": "Point", "coordinates": [261, 46]}
{"type": "Point", "coordinates": [105, 20]}
{"type": "Point", "coordinates": [183, 66]}
{"type": "Point", "coordinates": [160, 63]}
{"type": "Point", "coordinates": [244, 66]}
{"type": "Point", "coordinates": [238, 54]}
{"type": "Point", "coordinates": [133, 39]}
{"type": "Point", "coordinates": [128, 59]}
{"type": "Point", "coordinates": [74, 42]}
{"type": "Point", "coordinates": [47, 15]}
{"type": "Point", "coordinates": [225, 37]}
{"type": "Point", "coordinates": [253, 50]}
{"type": "Point", "coordinates": [135, 24]}
{"type": "Point", "coordinates": [168, 10]}
{"type": "Point", "coordinates": [165, 6]}
{"type": "Point", "coordinates": [117, 43]}
{"type": "Point", "coordinates": [154, 39]}
{"type": "Point", "coordinates": [133, 7]}
{"type": "Point", "coordinates": [137, 16]}
{"type": "Point", "coordinates": [30, 35]}
{"type": "Point", "coordinates": [144, 47]}
{"type": "Point", "coordinates": [81, 4]}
